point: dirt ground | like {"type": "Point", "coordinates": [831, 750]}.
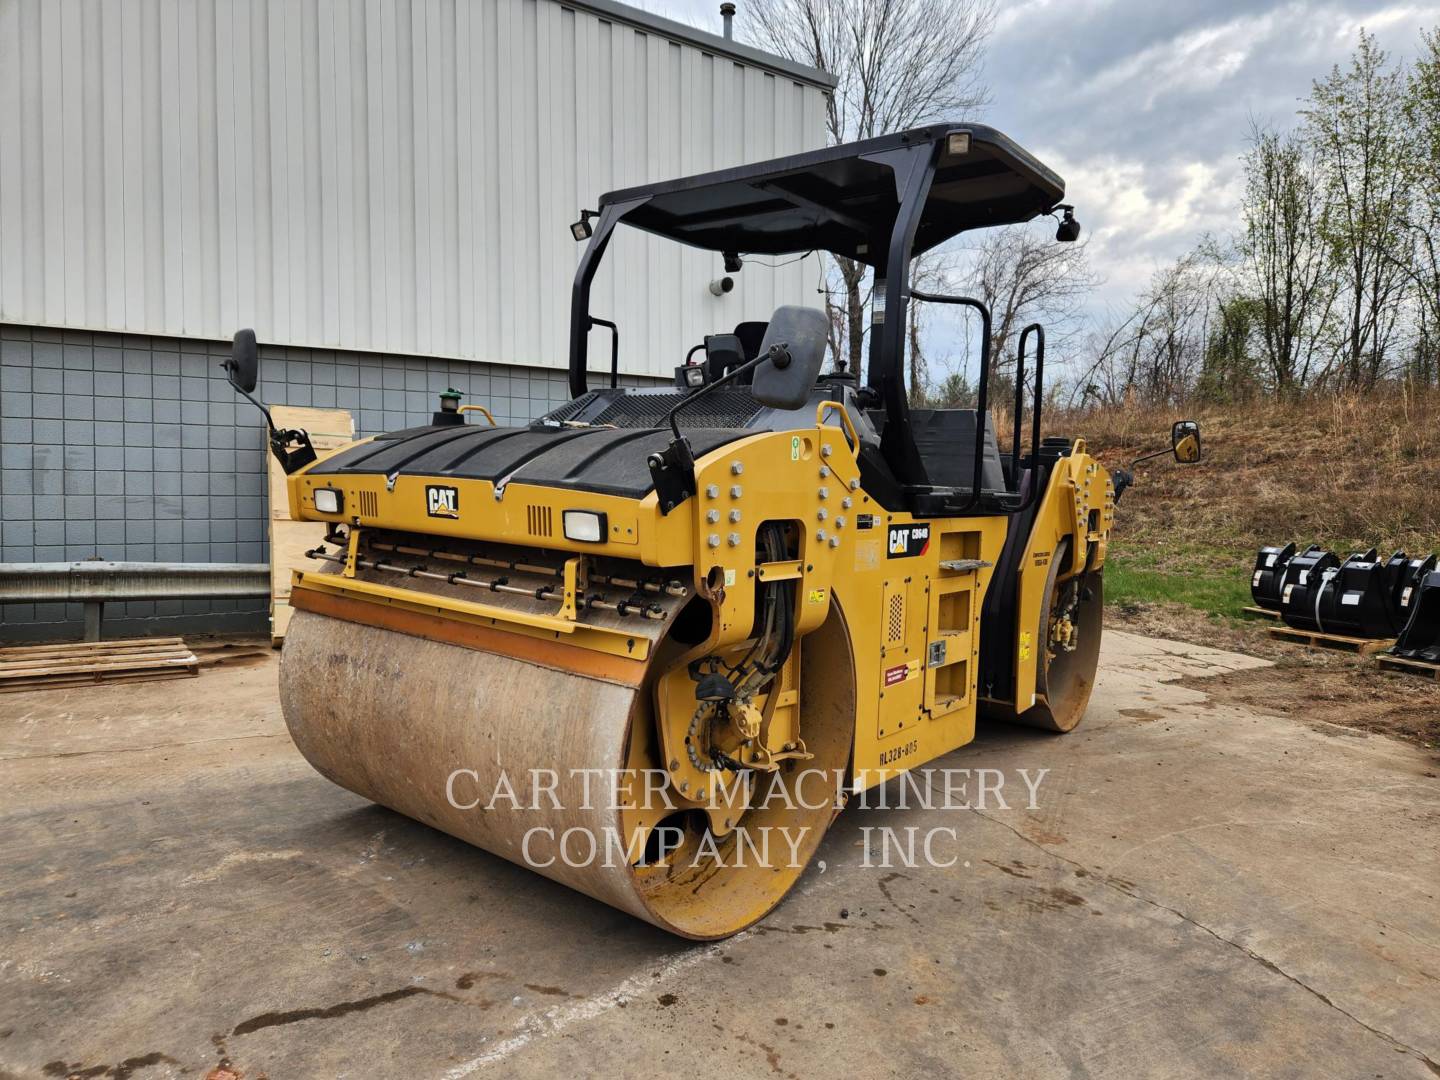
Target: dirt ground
{"type": "Point", "coordinates": [1308, 685]}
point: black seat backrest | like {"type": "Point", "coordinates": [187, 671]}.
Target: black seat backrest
{"type": "Point", "coordinates": [723, 353]}
{"type": "Point", "coordinates": [751, 334]}
{"type": "Point", "coordinates": [946, 441]}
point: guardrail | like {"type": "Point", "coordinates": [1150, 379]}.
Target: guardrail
{"type": "Point", "coordinates": [95, 582]}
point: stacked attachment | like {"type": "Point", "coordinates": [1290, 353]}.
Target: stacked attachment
{"type": "Point", "coordinates": [1406, 577]}
{"type": "Point", "coordinates": [1269, 575]}
{"type": "Point", "coordinates": [1356, 604]}
{"type": "Point", "coordinates": [1358, 598]}
{"type": "Point", "coordinates": [1300, 588]}
{"type": "Point", "coordinates": [1420, 640]}
{"type": "Point", "coordinates": [1314, 591]}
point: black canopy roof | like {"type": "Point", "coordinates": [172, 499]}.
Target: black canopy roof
{"type": "Point", "coordinates": [843, 198]}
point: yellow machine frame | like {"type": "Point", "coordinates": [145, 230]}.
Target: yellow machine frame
{"type": "Point", "coordinates": [911, 590]}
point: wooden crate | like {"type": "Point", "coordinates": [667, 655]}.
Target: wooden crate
{"type": "Point", "coordinates": [329, 430]}
{"type": "Point", "coordinates": [1338, 642]}
{"type": "Point", "coordinates": [46, 667]}
{"type": "Point", "coordinates": [1407, 666]}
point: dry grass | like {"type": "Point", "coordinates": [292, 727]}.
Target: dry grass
{"type": "Point", "coordinates": [1344, 470]}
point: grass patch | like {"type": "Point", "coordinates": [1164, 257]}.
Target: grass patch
{"type": "Point", "coordinates": [1207, 581]}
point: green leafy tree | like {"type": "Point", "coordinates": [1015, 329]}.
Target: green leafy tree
{"type": "Point", "coordinates": [1230, 370]}
{"type": "Point", "coordinates": [1285, 260]}
{"type": "Point", "coordinates": [1356, 120]}
{"type": "Point", "coordinates": [1422, 114]}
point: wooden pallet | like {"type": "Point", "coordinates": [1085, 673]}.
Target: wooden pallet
{"type": "Point", "coordinates": [1339, 642]}
{"type": "Point", "coordinates": [1259, 613]}
{"type": "Point", "coordinates": [1409, 667]}
{"type": "Point", "coordinates": [232, 653]}
{"type": "Point", "coordinates": [46, 667]}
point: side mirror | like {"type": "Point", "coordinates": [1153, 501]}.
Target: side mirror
{"type": "Point", "coordinates": [243, 367]}
{"type": "Point", "coordinates": [1185, 441]}
{"type": "Point", "coordinates": [786, 375]}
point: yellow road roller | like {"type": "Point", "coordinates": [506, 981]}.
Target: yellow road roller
{"type": "Point", "coordinates": [619, 643]}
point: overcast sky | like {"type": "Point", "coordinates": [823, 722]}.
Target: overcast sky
{"type": "Point", "coordinates": [1143, 106]}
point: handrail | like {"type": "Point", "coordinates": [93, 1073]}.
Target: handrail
{"type": "Point", "coordinates": [595, 320]}
{"type": "Point", "coordinates": [848, 426]}
{"type": "Point", "coordinates": [1037, 400]}
{"type": "Point", "coordinates": [982, 398]}
{"type": "Point", "coordinates": [480, 409]}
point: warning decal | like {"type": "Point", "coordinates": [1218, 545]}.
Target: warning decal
{"type": "Point", "coordinates": [897, 674]}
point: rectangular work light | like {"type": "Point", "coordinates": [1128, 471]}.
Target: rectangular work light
{"type": "Point", "coordinates": [328, 501]}
{"type": "Point", "coordinates": [587, 526]}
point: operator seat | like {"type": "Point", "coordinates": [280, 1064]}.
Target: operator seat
{"type": "Point", "coordinates": [945, 439]}
{"type": "Point", "coordinates": [751, 334]}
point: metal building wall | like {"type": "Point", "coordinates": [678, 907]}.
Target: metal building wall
{"type": "Point", "coordinates": [131, 447]}
{"type": "Point", "coordinates": [386, 175]}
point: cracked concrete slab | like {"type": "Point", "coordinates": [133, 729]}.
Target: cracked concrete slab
{"type": "Point", "coordinates": [1200, 891]}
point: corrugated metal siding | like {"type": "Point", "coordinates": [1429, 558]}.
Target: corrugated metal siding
{"type": "Point", "coordinates": [381, 175]}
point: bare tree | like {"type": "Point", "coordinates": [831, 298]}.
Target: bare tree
{"type": "Point", "coordinates": [1422, 112]}
{"type": "Point", "coordinates": [897, 64]}
{"type": "Point", "coordinates": [1285, 263]}
{"type": "Point", "coordinates": [1024, 276]}
{"type": "Point", "coordinates": [1155, 352]}
{"type": "Point", "coordinates": [1357, 121]}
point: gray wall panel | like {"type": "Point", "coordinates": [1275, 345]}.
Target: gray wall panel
{"type": "Point", "coordinates": [133, 447]}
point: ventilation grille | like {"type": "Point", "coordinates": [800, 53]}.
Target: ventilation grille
{"type": "Point", "coordinates": [719, 408]}
{"type": "Point", "coordinates": [724, 408]}
{"type": "Point", "coordinates": [538, 520]}
{"type": "Point", "coordinates": [570, 409]}
{"type": "Point", "coordinates": [369, 504]}
{"type": "Point", "coordinates": [895, 620]}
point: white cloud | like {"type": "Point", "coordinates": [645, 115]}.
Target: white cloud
{"type": "Point", "coordinates": [1139, 214]}
{"type": "Point", "coordinates": [1198, 61]}
{"type": "Point", "coordinates": [1144, 106]}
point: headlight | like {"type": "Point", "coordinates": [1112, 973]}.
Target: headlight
{"type": "Point", "coordinates": [328, 501]}
{"type": "Point", "coordinates": [585, 525]}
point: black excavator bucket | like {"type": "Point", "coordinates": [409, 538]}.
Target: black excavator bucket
{"type": "Point", "coordinates": [1269, 575]}
{"type": "Point", "coordinates": [1300, 591]}
{"type": "Point", "coordinates": [1421, 637]}
{"type": "Point", "coordinates": [1356, 600]}
{"type": "Point", "coordinates": [1404, 576]}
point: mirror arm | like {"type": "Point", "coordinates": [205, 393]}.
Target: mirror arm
{"type": "Point", "coordinates": [269, 423]}
{"type": "Point", "coordinates": [1148, 457]}
{"type": "Point", "coordinates": [729, 376]}
{"type": "Point", "coordinates": [280, 440]}
{"type": "Point", "coordinates": [672, 470]}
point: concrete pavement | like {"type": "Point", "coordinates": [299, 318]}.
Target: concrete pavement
{"type": "Point", "coordinates": [1201, 891]}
